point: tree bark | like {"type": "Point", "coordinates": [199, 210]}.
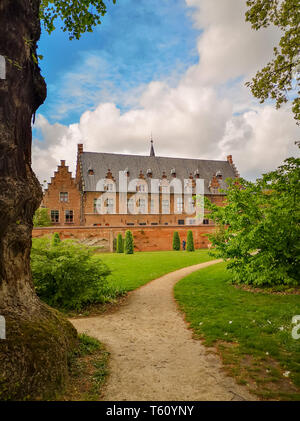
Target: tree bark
{"type": "Point", "coordinates": [21, 93]}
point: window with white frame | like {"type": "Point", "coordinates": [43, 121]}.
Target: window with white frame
{"type": "Point", "coordinates": [179, 204]}
{"type": "Point", "coordinates": [141, 187]}
{"type": "Point", "coordinates": [165, 206]}
{"type": "Point", "coordinates": [110, 205]}
{"type": "Point", "coordinates": [64, 196]}
{"type": "Point", "coordinates": [142, 205]}
{"type": "Point", "coordinates": [69, 216]}
{"type": "Point", "coordinates": [131, 205]}
{"type": "Point", "coordinates": [54, 216]}
{"type": "Point", "coordinates": [97, 204]}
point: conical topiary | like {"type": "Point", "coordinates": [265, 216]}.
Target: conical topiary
{"type": "Point", "coordinates": [120, 244]}
{"type": "Point", "coordinates": [176, 241]}
{"type": "Point", "coordinates": [128, 246]}
{"type": "Point", "coordinates": [55, 239]}
{"type": "Point", "coordinates": [190, 242]}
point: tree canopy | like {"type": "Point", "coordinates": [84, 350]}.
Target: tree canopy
{"type": "Point", "coordinates": [281, 75]}
{"type": "Point", "coordinates": [76, 16]}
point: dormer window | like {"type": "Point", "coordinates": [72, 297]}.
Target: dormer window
{"type": "Point", "coordinates": [91, 171]}
{"type": "Point", "coordinates": [109, 187]}
{"type": "Point", "coordinates": [219, 175]}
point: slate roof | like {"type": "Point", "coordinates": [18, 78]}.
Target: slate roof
{"type": "Point", "coordinates": [101, 162]}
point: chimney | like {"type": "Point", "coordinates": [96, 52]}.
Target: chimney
{"type": "Point", "coordinates": [80, 148]}
{"type": "Point", "coordinates": [62, 163]}
{"type": "Point", "coordinates": [229, 159]}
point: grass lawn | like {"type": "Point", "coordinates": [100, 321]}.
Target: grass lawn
{"type": "Point", "coordinates": [251, 331]}
{"type": "Point", "coordinates": [130, 271]}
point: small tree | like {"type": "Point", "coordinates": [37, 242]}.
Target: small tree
{"type": "Point", "coordinates": [190, 241]}
{"type": "Point", "coordinates": [120, 244]}
{"type": "Point", "coordinates": [55, 239]}
{"type": "Point", "coordinates": [41, 218]}
{"type": "Point", "coordinates": [176, 241]}
{"type": "Point", "coordinates": [129, 246]}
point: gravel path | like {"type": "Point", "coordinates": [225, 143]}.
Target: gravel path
{"type": "Point", "coordinates": [153, 354]}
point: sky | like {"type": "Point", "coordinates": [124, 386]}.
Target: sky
{"type": "Point", "coordinates": [173, 68]}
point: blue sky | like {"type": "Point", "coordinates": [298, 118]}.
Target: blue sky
{"type": "Point", "coordinates": [176, 68]}
{"type": "Point", "coordinates": [137, 42]}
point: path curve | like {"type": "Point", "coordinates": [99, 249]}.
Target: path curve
{"type": "Point", "coordinates": [153, 354]}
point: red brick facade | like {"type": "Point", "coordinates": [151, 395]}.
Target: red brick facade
{"type": "Point", "coordinates": [63, 196]}
{"type": "Point", "coordinates": [72, 206]}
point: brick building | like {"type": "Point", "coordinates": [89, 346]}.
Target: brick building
{"type": "Point", "coordinates": [116, 190]}
{"type": "Point", "coordinates": [132, 190]}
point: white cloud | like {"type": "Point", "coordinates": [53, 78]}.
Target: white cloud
{"type": "Point", "coordinates": [196, 117]}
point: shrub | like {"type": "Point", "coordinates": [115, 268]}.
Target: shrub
{"type": "Point", "coordinates": [120, 244]}
{"type": "Point", "coordinates": [128, 246]}
{"type": "Point", "coordinates": [176, 241]}
{"type": "Point", "coordinates": [190, 241]}
{"type": "Point", "coordinates": [41, 218]}
{"type": "Point", "coordinates": [114, 245]}
{"type": "Point", "coordinates": [66, 276]}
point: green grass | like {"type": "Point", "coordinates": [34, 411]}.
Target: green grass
{"type": "Point", "coordinates": [88, 370]}
{"type": "Point", "coordinates": [131, 271]}
{"type": "Point", "coordinates": [251, 330]}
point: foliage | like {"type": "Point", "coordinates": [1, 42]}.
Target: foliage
{"type": "Point", "coordinates": [275, 80]}
{"type": "Point", "coordinates": [176, 241]}
{"type": "Point", "coordinates": [128, 246]}
{"type": "Point", "coordinates": [77, 16]}
{"type": "Point", "coordinates": [120, 244]}
{"type": "Point", "coordinates": [252, 330]}
{"type": "Point", "coordinates": [190, 241]}
{"type": "Point", "coordinates": [263, 236]}
{"type": "Point", "coordinates": [41, 218]}
{"type": "Point", "coordinates": [65, 275]}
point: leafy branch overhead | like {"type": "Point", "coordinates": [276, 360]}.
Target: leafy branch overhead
{"type": "Point", "coordinates": [76, 16]}
{"type": "Point", "coordinates": [282, 74]}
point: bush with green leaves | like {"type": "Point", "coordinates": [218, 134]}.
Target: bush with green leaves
{"type": "Point", "coordinates": [190, 241]}
{"type": "Point", "coordinates": [41, 218]}
{"type": "Point", "coordinates": [262, 241]}
{"type": "Point", "coordinates": [176, 241]}
{"type": "Point", "coordinates": [120, 244]}
{"type": "Point", "coordinates": [128, 245]}
{"type": "Point", "coordinates": [66, 276]}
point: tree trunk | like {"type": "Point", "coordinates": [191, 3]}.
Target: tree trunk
{"type": "Point", "coordinates": [33, 330]}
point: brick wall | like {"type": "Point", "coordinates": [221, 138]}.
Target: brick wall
{"type": "Point", "coordinates": [145, 238]}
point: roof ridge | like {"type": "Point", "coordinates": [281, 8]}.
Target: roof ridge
{"type": "Point", "coordinates": [154, 157]}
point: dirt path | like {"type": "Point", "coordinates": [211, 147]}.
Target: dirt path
{"type": "Point", "coordinates": [153, 354]}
